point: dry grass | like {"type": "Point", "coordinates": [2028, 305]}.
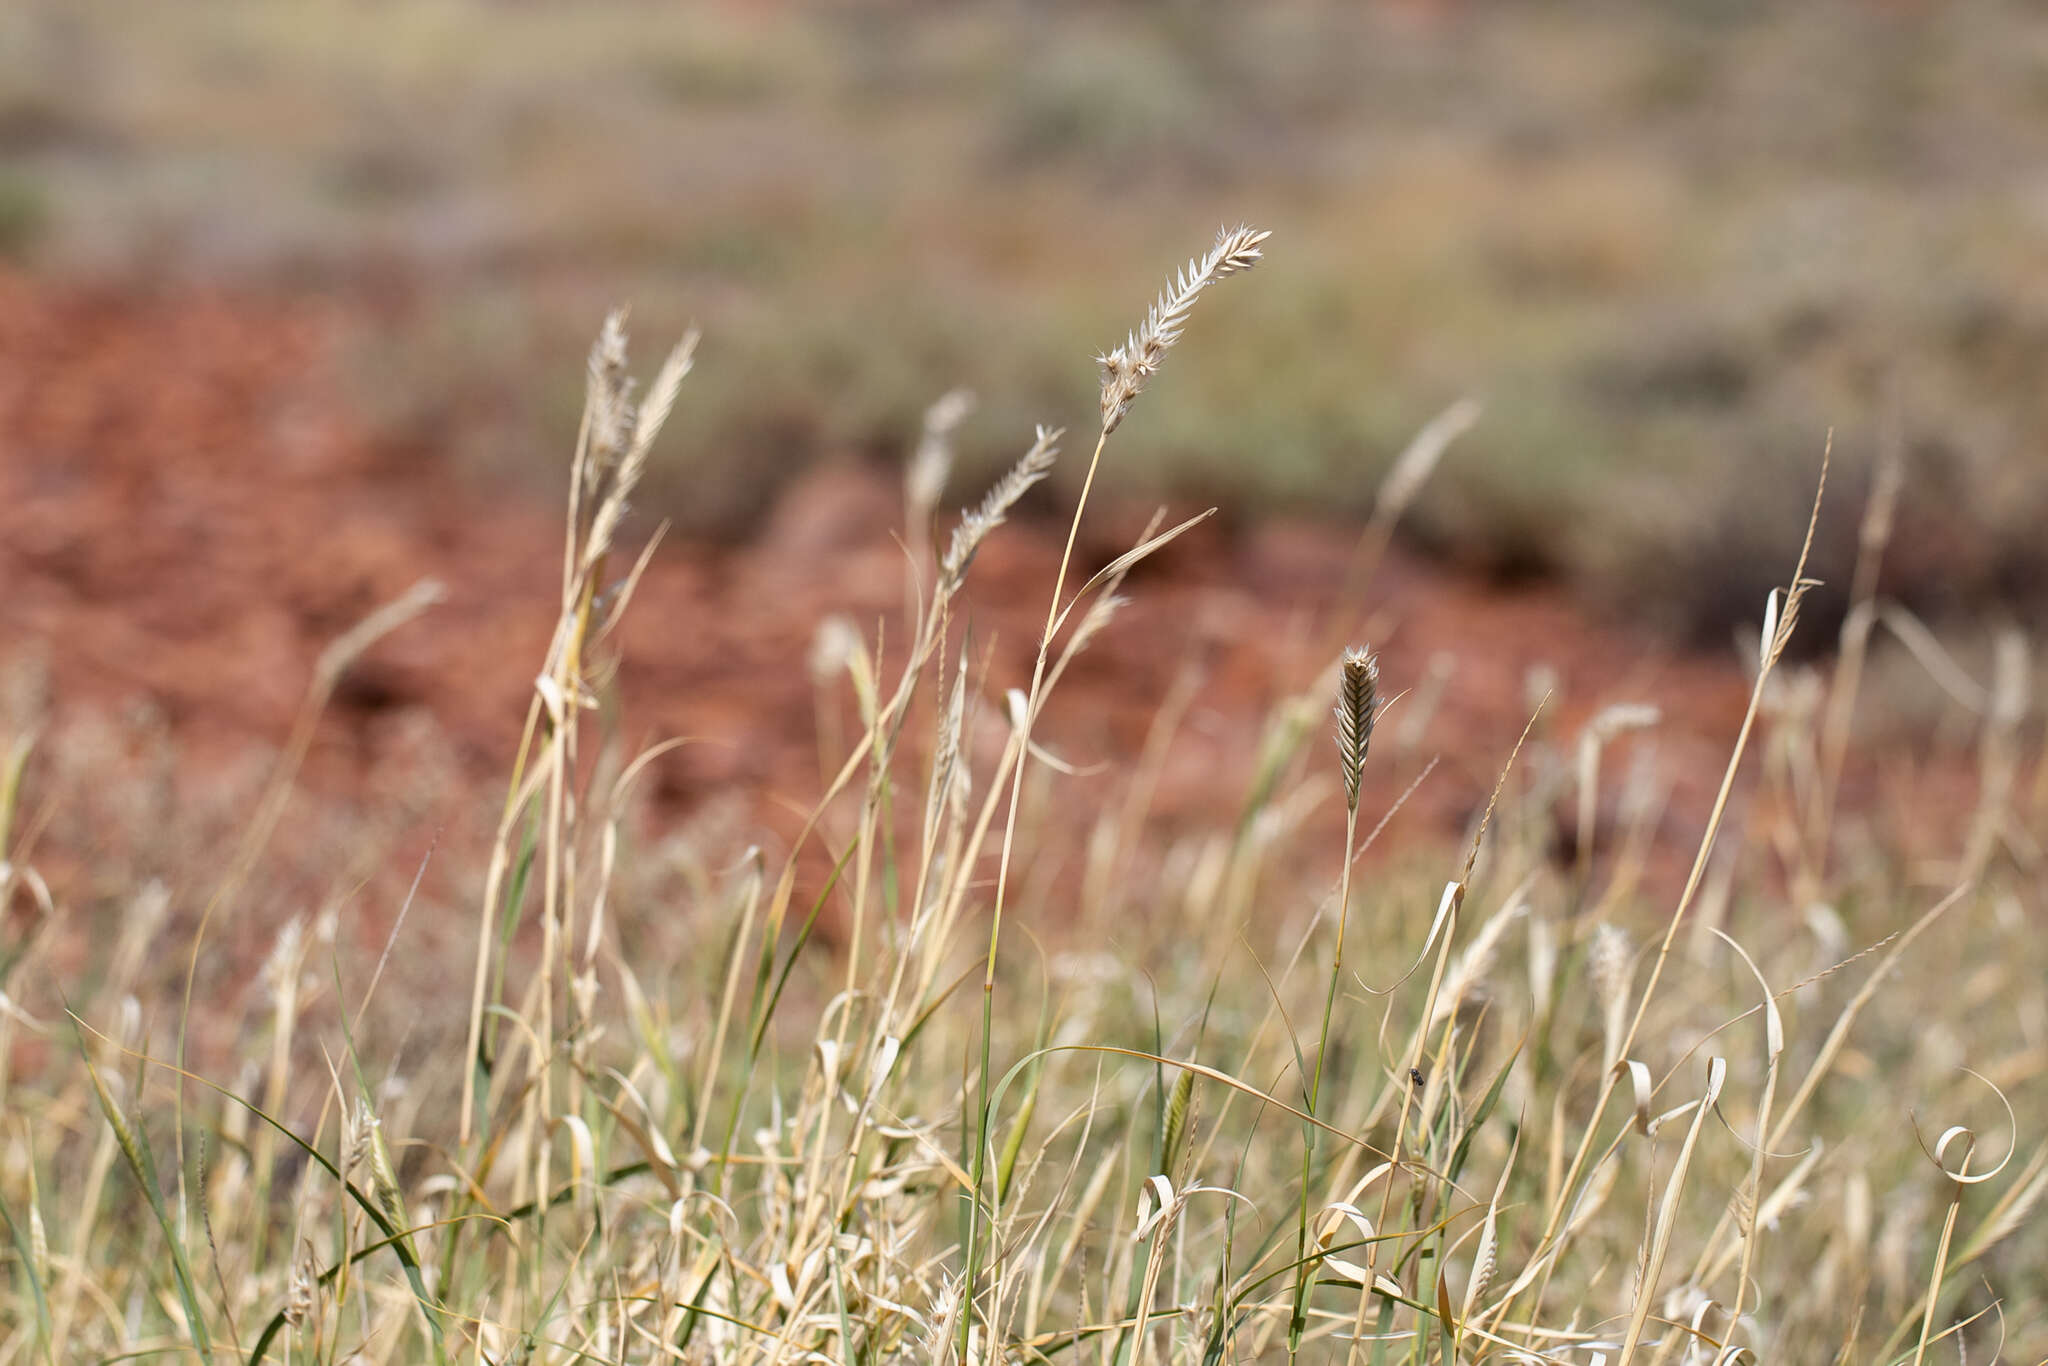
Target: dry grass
{"type": "Point", "coordinates": [663, 1121]}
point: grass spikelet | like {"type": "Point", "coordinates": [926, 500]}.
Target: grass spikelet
{"type": "Point", "coordinates": [977, 522]}
{"type": "Point", "coordinates": [1484, 1263]}
{"type": "Point", "coordinates": [660, 401]}
{"type": "Point", "coordinates": [1403, 481]}
{"type": "Point", "coordinates": [38, 1242]}
{"type": "Point", "coordinates": [950, 777]}
{"type": "Point", "coordinates": [1357, 692]}
{"type": "Point", "coordinates": [1610, 964]}
{"type": "Point", "coordinates": [142, 1166]}
{"type": "Point", "coordinates": [925, 478]}
{"type": "Point", "coordinates": [1606, 725]}
{"type": "Point", "coordinates": [924, 481]}
{"type": "Point", "coordinates": [1127, 368]}
{"type": "Point", "coordinates": [1095, 621]}
{"type": "Point", "coordinates": [645, 427]}
{"type": "Point", "coordinates": [302, 1287]}
{"type": "Point", "coordinates": [607, 403]}
{"type": "Point", "coordinates": [833, 647]}
{"type": "Point", "coordinates": [1418, 460]}
{"type": "Point", "coordinates": [1176, 1134]}
{"type": "Point", "coordinates": [370, 1151]}
{"type": "Point", "coordinates": [1467, 977]}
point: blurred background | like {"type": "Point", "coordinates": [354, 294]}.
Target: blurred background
{"type": "Point", "coordinates": [1670, 246]}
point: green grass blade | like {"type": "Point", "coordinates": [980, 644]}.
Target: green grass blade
{"type": "Point", "coordinates": [29, 1272]}
{"type": "Point", "coordinates": [143, 1167]}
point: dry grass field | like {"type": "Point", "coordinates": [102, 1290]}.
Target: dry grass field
{"type": "Point", "coordinates": [765, 850]}
{"type": "Point", "coordinates": [987, 1066]}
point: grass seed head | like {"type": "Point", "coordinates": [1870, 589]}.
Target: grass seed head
{"type": "Point", "coordinates": [950, 777]}
{"type": "Point", "coordinates": [1611, 965]}
{"type": "Point", "coordinates": [924, 482]}
{"type": "Point", "coordinates": [38, 1242]}
{"type": "Point", "coordinates": [977, 522]}
{"type": "Point", "coordinates": [608, 394]}
{"type": "Point", "coordinates": [1126, 368]}
{"type": "Point", "coordinates": [1357, 693]}
{"type": "Point", "coordinates": [300, 1294]}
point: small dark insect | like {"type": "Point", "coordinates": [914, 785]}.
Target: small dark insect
{"type": "Point", "coordinates": [1415, 1075]}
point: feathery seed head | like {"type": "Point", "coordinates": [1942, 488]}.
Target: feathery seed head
{"type": "Point", "coordinates": [925, 480]}
{"type": "Point", "coordinates": [1611, 966]}
{"type": "Point", "coordinates": [1126, 368]}
{"type": "Point", "coordinates": [1357, 693]}
{"type": "Point", "coordinates": [608, 352]}
{"type": "Point", "coordinates": [622, 436]}
{"type": "Point", "coordinates": [1620, 717]}
{"type": "Point", "coordinates": [977, 522]}
{"type": "Point", "coordinates": [287, 957]}
{"type": "Point", "coordinates": [950, 776]}
{"type": "Point", "coordinates": [833, 646]}
{"type": "Point", "coordinates": [608, 393]}
{"type": "Point", "coordinates": [1610, 960]}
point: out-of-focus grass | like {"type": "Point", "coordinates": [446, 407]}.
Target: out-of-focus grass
{"type": "Point", "coordinates": [1671, 246]}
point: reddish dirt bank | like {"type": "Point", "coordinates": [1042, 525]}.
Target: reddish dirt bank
{"type": "Point", "coordinates": [189, 511]}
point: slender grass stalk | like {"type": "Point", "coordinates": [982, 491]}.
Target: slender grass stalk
{"type": "Point", "coordinates": [1125, 371]}
{"type": "Point", "coordinates": [1356, 710]}
{"type": "Point", "coordinates": [1939, 1269]}
{"type": "Point", "coordinates": [1776, 635]}
{"type": "Point", "coordinates": [1873, 536]}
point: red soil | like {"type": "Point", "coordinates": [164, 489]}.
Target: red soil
{"type": "Point", "coordinates": [190, 511]}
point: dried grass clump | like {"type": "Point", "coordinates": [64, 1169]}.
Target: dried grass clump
{"type": "Point", "coordinates": [666, 1122]}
